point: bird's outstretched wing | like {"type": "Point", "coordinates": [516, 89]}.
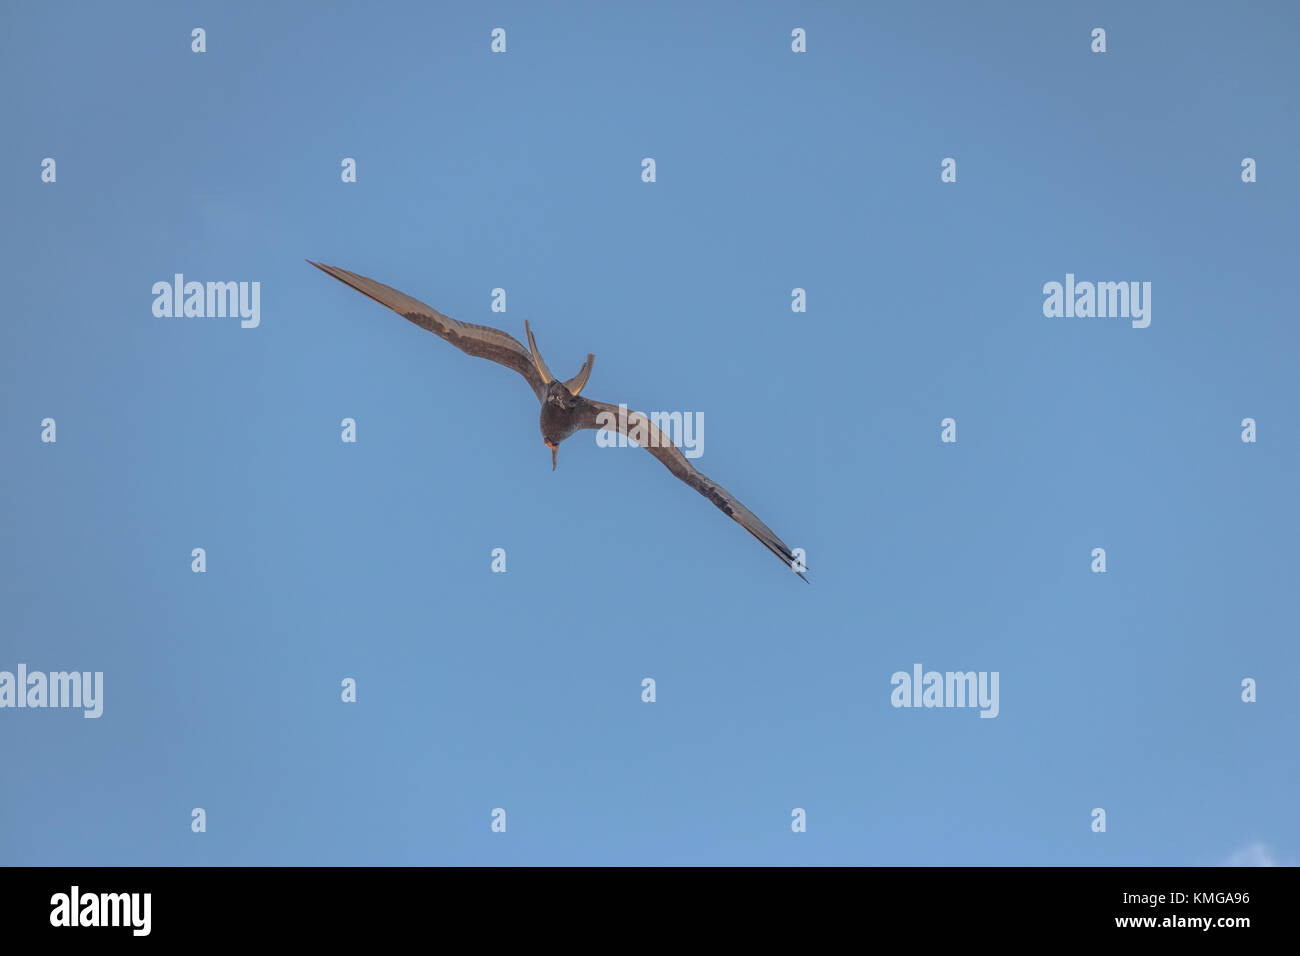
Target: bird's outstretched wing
{"type": "Point", "coordinates": [481, 341]}
{"type": "Point", "coordinates": [602, 415]}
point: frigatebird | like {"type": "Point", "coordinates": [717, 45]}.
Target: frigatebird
{"type": "Point", "coordinates": [564, 410]}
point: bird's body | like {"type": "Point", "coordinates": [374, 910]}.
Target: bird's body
{"type": "Point", "coordinates": [564, 411]}
{"type": "Point", "coordinates": [561, 414]}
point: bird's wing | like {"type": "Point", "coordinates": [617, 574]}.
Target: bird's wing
{"type": "Point", "coordinates": [602, 415]}
{"type": "Point", "coordinates": [480, 341]}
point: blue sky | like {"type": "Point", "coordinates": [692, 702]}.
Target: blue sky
{"type": "Point", "coordinates": [522, 690]}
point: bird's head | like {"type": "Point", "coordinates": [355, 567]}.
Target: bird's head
{"type": "Point", "coordinates": [554, 446]}
{"type": "Point", "coordinates": [558, 395]}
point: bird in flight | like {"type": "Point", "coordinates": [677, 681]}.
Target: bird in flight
{"type": "Point", "coordinates": [564, 410]}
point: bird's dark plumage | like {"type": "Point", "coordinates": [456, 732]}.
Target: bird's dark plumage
{"type": "Point", "coordinates": [480, 341]}
{"type": "Point", "coordinates": [564, 410]}
{"type": "Point", "coordinates": [600, 414]}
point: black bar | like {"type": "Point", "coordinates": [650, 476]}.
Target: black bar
{"type": "Point", "coordinates": [243, 904]}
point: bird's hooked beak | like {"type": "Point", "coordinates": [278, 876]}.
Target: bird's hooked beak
{"type": "Point", "coordinates": [555, 451]}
